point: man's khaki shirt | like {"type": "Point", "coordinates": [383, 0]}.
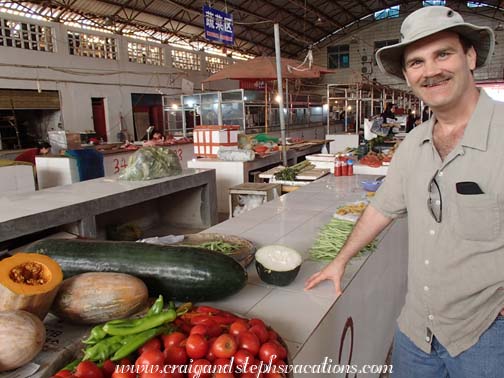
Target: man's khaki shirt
{"type": "Point", "coordinates": [456, 267]}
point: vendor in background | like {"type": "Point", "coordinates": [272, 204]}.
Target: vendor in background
{"type": "Point", "coordinates": [157, 138]}
{"type": "Point", "coordinates": [28, 156]}
{"type": "Point", "coordinates": [452, 321]}
{"type": "Point", "coordinates": [388, 112]}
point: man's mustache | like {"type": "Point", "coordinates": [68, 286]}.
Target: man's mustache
{"type": "Point", "coordinates": [435, 80]}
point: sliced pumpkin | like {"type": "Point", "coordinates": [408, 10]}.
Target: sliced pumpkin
{"type": "Point", "coordinates": [30, 282]}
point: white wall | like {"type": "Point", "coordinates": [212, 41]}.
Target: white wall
{"type": "Point", "coordinates": [362, 41]}
{"type": "Point", "coordinates": [83, 78]}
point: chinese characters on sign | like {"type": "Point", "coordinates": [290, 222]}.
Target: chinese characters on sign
{"type": "Point", "coordinates": [218, 26]}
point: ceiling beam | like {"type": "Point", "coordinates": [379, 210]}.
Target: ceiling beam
{"type": "Point", "coordinates": [180, 21]}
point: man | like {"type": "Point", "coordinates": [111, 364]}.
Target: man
{"type": "Point", "coordinates": [447, 176]}
{"type": "Point", "coordinates": [28, 156]}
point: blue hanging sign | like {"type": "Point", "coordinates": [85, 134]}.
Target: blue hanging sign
{"type": "Point", "coordinates": [218, 26]}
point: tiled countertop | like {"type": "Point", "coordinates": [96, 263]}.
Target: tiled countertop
{"type": "Point", "coordinates": [293, 220]}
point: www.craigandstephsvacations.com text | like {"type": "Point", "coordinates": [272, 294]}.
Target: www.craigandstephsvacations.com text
{"type": "Point", "coordinates": [203, 368]}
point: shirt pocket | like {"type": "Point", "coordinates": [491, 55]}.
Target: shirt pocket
{"type": "Point", "coordinates": [478, 217]}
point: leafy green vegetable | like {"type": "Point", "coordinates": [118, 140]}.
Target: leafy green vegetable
{"type": "Point", "coordinates": [331, 239]}
{"type": "Point", "coordinates": [150, 163]}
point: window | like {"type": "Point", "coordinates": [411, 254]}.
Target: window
{"type": "Point", "coordinates": [145, 54]}
{"type": "Point", "coordinates": [338, 56]}
{"type": "Point", "coordinates": [92, 46]}
{"type": "Point", "coordinates": [392, 12]}
{"type": "Point", "coordinates": [428, 3]}
{"type": "Point", "coordinates": [214, 63]}
{"type": "Point", "coordinates": [475, 4]}
{"type": "Point", "coordinates": [186, 60]}
{"type": "Point", "coordinates": [379, 44]}
{"type": "Point", "coordinates": [26, 36]}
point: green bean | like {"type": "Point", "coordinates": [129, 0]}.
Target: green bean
{"type": "Point", "coordinates": [331, 239]}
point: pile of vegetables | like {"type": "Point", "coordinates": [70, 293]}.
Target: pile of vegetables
{"type": "Point", "coordinates": [216, 246]}
{"type": "Point", "coordinates": [150, 163]}
{"type": "Point", "coordinates": [290, 173]}
{"type": "Point", "coordinates": [331, 239]}
{"type": "Point", "coordinates": [197, 343]}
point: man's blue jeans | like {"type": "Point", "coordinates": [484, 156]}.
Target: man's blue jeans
{"type": "Point", "coordinates": [485, 359]}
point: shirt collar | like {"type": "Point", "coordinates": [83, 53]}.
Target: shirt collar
{"type": "Point", "coordinates": [476, 132]}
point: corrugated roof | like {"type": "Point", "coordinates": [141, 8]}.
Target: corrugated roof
{"type": "Point", "coordinates": [303, 23]}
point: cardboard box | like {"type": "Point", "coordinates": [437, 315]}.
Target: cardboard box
{"type": "Point", "coordinates": [62, 140]}
{"type": "Point", "coordinates": [208, 139]}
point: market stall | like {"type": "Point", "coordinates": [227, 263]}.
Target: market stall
{"type": "Point", "coordinates": [354, 329]}
{"type": "Point", "coordinates": [185, 199]}
{"type": "Point", "coordinates": [58, 170]}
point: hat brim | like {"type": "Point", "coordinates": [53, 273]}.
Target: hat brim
{"type": "Point", "coordinates": [389, 58]}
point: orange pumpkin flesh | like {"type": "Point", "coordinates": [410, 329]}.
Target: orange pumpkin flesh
{"type": "Point", "coordinates": [29, 281]}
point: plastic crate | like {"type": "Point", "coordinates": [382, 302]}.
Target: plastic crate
{"type": "Point", "coordinates": [208, 139]}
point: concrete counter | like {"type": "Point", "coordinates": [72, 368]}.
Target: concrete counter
{"type": "Point", "coordinates": [187, 200]}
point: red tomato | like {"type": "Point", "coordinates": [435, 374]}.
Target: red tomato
{"type": "Point", "coordinates": [274, 374]}
{"type": "Point", "coordinates": [199, 329]}
{"type": "Point", "coordinates": [282, 351]}
{"type": "Point", "coordinates": [253, 322]}
{"type": "Point", "coordinates": [268, 352]}
{"type": "Point", "coordinates": [214, 331]}
{"type": "Point", "coordinates": [124, 361]}
{"type": "Point", "coordinates": [238, 327]}
{"type": "Point", "coordinates": [63, 374]}
{"type": "Point", "coordinates": [223, 368]}
{"type": "Point", "coordinates": [196, 346]}
{"type": "Point", "coordinates": [243, 356]}
{"type": "Point", "coordinates": [108, 368]}
{"type": "Point", "coordinates": [88, 369]}
{"type": "Point", "coordinates": [152, 344]}
{"type": "Point", "coordinates": [117, 374]}
{"type": "Point", "coordinates": [151, 357]}
{"type": "Point", "coordinates": [224, 346]}
{"type": "Point", "coordinates": [158, 374]}
{"type": "Point", "coordinates": [172, 339]}
{"type": "Point", "coordinates": [253, 370]}
{"type": "Point", "coordinates": [249, 341]}
{"type": "Point", "coordinates": [200, 369]}
{"type": "Point", "coordinates": [272, 335]}
{"type": "Point", "coordinates": [223, 375]}
{"type": "Point", "coordinates": [210, 355]}
{"type": "Point", "coordinates": [175, 355]}
{"type": "Point", "coordinates": [261, 332]}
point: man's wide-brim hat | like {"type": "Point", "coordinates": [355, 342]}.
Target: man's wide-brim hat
{"type": "Point", "coordinates": [430, 20]}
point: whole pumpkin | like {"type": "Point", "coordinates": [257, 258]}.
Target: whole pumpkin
{"type": "Point", "coordinates": [23, 336]}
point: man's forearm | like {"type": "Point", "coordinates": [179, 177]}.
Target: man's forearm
{"type": "Point", "coordinates": [370, 224]}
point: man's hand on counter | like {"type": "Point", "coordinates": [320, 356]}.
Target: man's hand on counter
{"type": "Point", "coordinates": [333, 271]}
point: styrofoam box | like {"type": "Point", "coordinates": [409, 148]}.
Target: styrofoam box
{"type": "Point", "coordinates": [208, 139]}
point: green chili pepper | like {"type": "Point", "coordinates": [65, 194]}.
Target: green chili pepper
{"type": "Point", "coordinates": [103, 349]}
{"type": "Point", "coordinates": [72, 365]}
{"type": "Point", "coordinates": [138, 325]}
{"type": "Point", "coordinates": [132, 342]}
{"type": "Point", "coordinates": [157, 307]}
{"type": "Point", "coordinates": [183, 308]}
{"type": "Point", "coordinates": [96, 334]}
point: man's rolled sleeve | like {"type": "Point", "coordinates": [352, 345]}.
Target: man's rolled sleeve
{"type": "Point", "coordinates": [389, 199]}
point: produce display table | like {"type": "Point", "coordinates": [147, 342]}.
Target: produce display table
{"type": "Point", "coordinates": [187, 199]}
{"type": "Point", "coordinates": [315, 324]}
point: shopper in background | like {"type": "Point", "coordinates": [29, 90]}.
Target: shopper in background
{"type": "Point", "coordinates": [28, 156]}
{"type": "Point", "coordinates": [452, 323]}
{"type": "Point", "coordinates": [410, 121]}
{"type": "Point", "coordinates": [426, 114]}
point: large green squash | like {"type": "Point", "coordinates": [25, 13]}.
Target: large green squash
{"type": "Point", "coordinates": [182, 273]}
